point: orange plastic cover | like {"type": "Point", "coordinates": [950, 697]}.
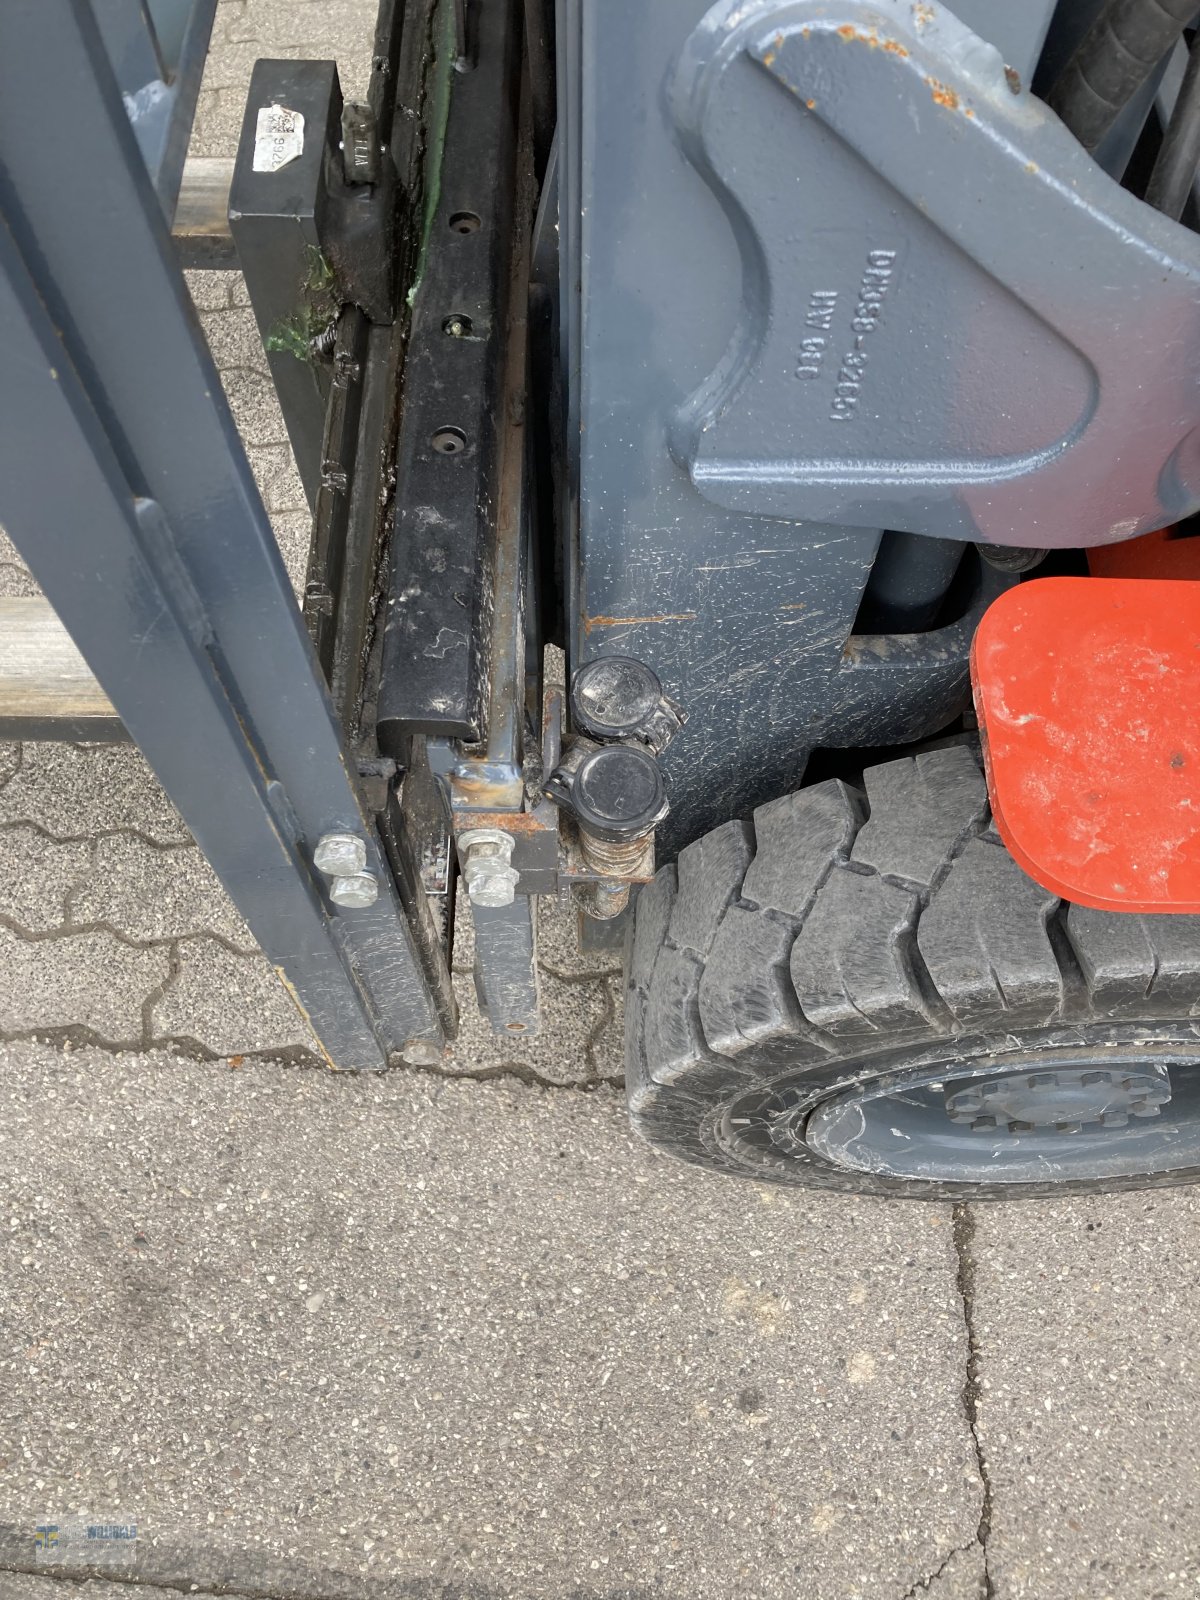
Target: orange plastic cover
{"type": "Point", "coordinates": [1088, 697]}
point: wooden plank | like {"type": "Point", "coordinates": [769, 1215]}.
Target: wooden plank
{"type": "Point", "coordinates": [201, 227]}
{"type": "Point", "coordinates": [46, 687]}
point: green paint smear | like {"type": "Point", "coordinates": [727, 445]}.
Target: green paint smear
{"type": "Point", "coordinates": [438, 82]}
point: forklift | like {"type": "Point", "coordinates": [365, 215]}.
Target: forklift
{"type": "Point", "coordinates": [821, 378]}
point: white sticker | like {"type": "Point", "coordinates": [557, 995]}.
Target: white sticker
{"type": "Point", "coordinates": [278, 138]}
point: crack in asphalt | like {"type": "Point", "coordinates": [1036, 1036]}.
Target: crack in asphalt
{"type": "Point", "coordinates": [923, 1585]}
{"type": "Point", "coordinates": [80, 1577]}
{"type": "Point", "coordinates": [963, 1224]}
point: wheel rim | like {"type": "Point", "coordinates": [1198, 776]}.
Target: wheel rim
{"type": "Point", "coordinates": [1032, 1117]}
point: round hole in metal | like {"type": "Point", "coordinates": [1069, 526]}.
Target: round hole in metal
{"type": "Point", "coordinates": [449, 441]}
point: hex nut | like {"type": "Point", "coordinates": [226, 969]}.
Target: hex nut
{"type": "Point", "coordinates": [486, 854]}
{"type": "Point", "coordinates": [491, 882]}
{"type": "Point", "coordinates": [355, 890]}
{"type": "Point", "coordinates": [340, 855]}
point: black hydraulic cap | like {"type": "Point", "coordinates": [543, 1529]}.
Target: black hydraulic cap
{"type": "Point", "coordinates": [616, 697]}
{"type": "Point", "coordinates": [617, 793]}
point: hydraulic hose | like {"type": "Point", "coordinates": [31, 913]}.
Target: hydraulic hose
{"type": "Point", "coordinates": [1174, 169]}
{"type": "Point", "coordinates": [1113, 59]}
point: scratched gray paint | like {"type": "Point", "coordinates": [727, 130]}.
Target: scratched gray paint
{"type": "Point", "coordinates": [742, 601]}
{"type": "Point", "coordinates": [124, 486]}
{"type": "Point", "coordinates": [505, 965]}
{"type": "Point", "coordinates": [985, 336]}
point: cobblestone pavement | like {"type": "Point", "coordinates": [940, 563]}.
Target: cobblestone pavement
{"type": "Point", "coordinates": [417, 1335]}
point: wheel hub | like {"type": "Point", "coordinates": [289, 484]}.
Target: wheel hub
{"type": "Point", "coordinates": [1039, 1116]}
{"type": "Point", "coordinates": [1067, 1100]}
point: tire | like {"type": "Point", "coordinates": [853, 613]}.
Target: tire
{"type": "Point", "coordinates": [876, 956]}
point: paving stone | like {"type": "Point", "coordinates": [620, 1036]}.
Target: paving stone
{"type": "Point", "coordinates": [16, 581]}
{"type": "Point", "coordinates": [1086, 1312]}
{"type": "Point", "coordinates": [213, 291]}
{"type": "Point", "coordinates": [229, 1004]}
{"type": "Point", "coordinates": [232, 336]}
{"type": "Point", "coordinates": [255, 407]}
{"type": "Point", "coordinates": [36, 876]}
{"type": "Point", "coordinates": [8, 551]}
{"type": "Point", "coordinates": [558, 938]}
{"type": "Point", "coordinates": [293, 535]}
{"type": "Point", "coordinates": [277, 478]}
{"type": "Point", "coordinates": [88, 980]}
{"type": "Point", "coordinates": [285, 29]}
{"type": "Point", "coordinates": [148, 893]}
{"type": "Point", "coordinates": [358, 1336]}
{"type": "Point", "coordinates": [78, 791]}
{"type": "Point", "coordinates": [10, 760]}
{"type": "Point", "coordinates": [573, 1015]}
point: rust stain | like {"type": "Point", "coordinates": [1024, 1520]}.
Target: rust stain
{"type": "Point", "coordinates": [943, 94]}
{"type": "Point", "coordinates": [1031, 166]}
{"type": "Point", "coordinates": [629, 622]}
{"type": "Point", "coordinates": [296, 1001]}
{"type": "Point", "coordinates": [482, 791]}
{"type": "Point", "coordinates": [848, 31]}
{"type": "Point", "coordinates": [507, 821]}
{"type": "Point", "coordinates": [923, 14]}
{"type": "Point", "coordinates": [799, 605]}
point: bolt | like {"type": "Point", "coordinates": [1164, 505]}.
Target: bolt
{"type": "Point", "coordinates": [1020, 1127]}
{"type": "Point", "coordinates": [1068, 1127]}
{"type": "Point", "coordinates": [966, 1100]}
{"type": "Point", "coordinates": [982, 1124]}
{"type": "Point", "coordinates": [355, 890]}
{"type": "Point", "coordinates": [1114, 1119]}
{"type": "Point", "coordinates": [1145, 1109]}
{"type": "Point", "coordinates": [486, 857]}
{"type": "Point", "coordinates": [340, 855]}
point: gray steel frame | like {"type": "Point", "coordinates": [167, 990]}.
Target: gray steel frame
{"type": "Point", "coordinates": [124, 486]}
{"type": "Point", "coordinates": [833, 280]}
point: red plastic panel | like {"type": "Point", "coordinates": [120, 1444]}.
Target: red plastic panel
{"type": "Point", "coordinates": [1088, 697]}
{"type": "Point", "coordinates": [1165, 554]}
